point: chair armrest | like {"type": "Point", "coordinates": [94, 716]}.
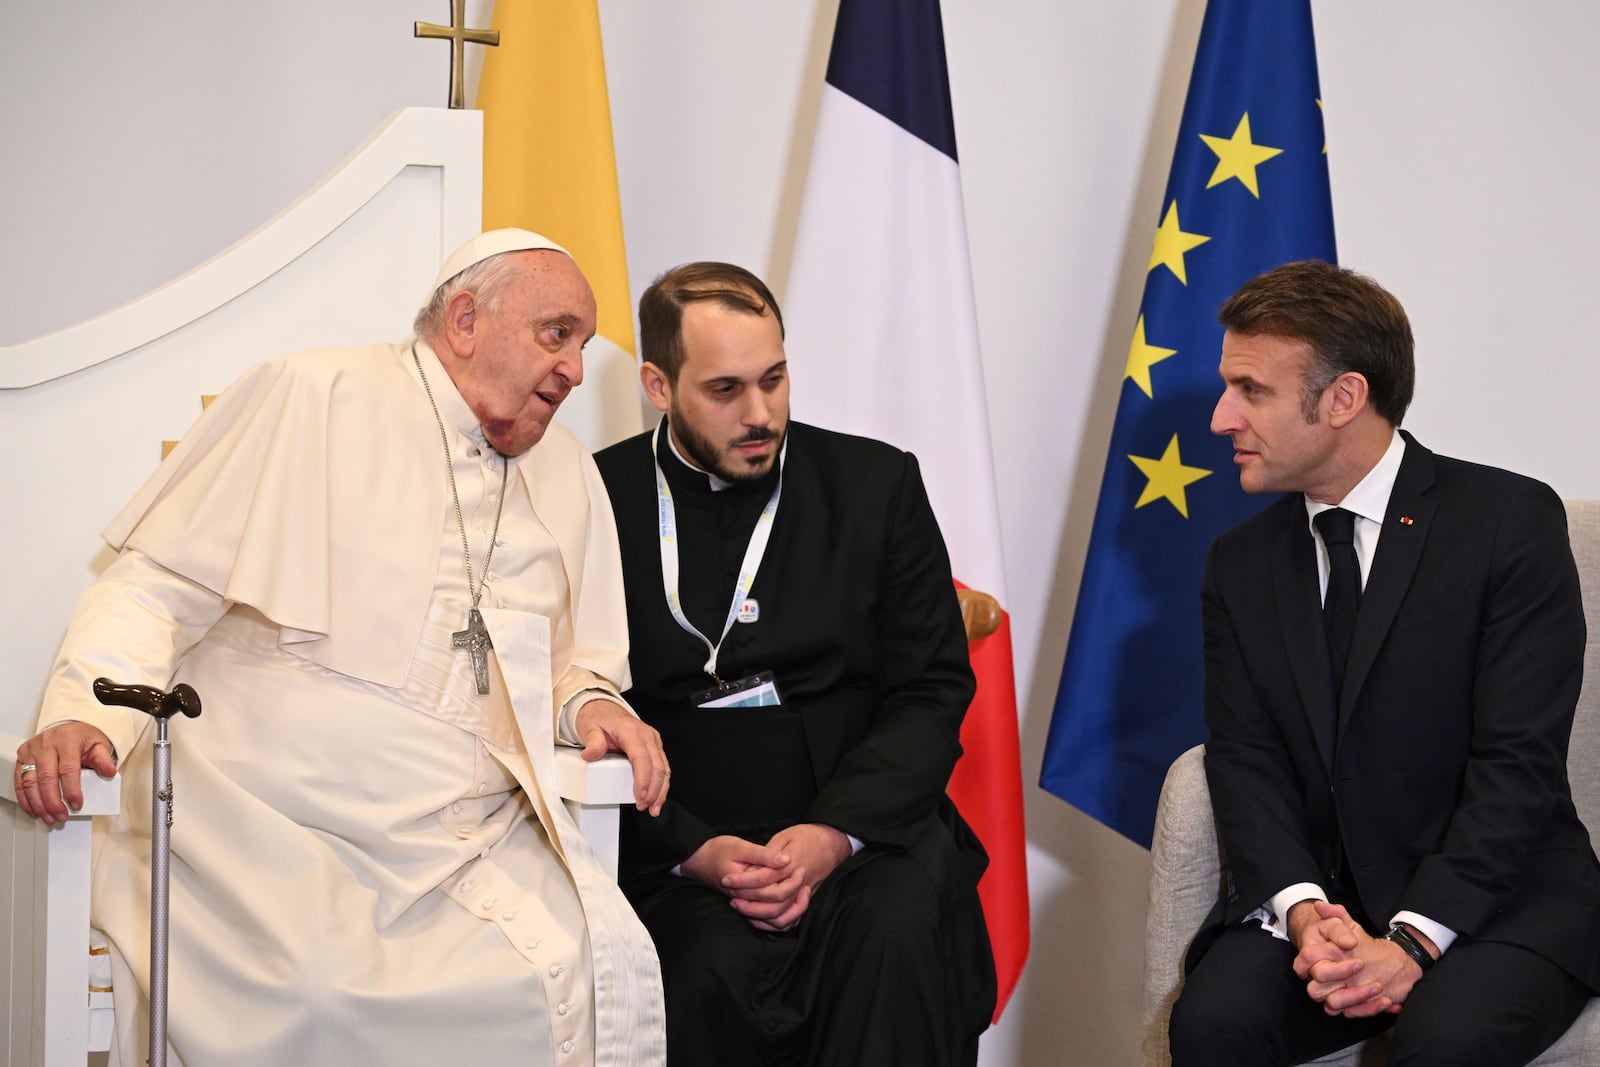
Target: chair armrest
{"type": "Point", "coordinates": [1185, 876]}
{"type": "Point", "coordinates": [608, 780]}
{"type": "Point", "coordinates": [100, 796]}
{"type": "Point", "coordinates": [594, 794]}
{"type": "Point", "coordinates": [44, 921]}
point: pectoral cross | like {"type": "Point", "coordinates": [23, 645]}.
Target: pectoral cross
{"type": "Point", "coordinates": [475, 639]}
{"type": "Point", "coordinates": [458, 35]}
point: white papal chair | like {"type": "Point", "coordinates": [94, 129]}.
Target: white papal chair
{"type": "Point", "coordinates": [51, 1014]}
{"type": "Point", "coordinates": [386, 215]}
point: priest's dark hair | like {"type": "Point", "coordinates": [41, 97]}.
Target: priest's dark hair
{"type": "Point", "coordinates": [661, 307]}
{"type": "Point", "coordinates": [1350, 322]}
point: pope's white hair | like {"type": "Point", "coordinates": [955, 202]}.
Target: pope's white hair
{"type": "Point", "coordinates": [487, 279]}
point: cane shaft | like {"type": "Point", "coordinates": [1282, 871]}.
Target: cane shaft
{"type": "Point", "coordinates": [161, 706]}
{"type": "Point", "coordinates": [160, 854]}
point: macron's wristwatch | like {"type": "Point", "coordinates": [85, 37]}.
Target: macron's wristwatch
{"type": "Point", "coordinates": [1411, 946]}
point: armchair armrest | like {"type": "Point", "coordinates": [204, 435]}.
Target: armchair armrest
{"type": "Point", "coordinates": [594, 794]}
{"type": "Point", "coordinates": [100, 796]}
{"type": "Point", "coordinates": [1185, 876]}
{"type": "Point", "coordinates": [44, 922]}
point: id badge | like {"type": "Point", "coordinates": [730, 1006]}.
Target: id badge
{"type": "Point", "coordinates": [755, 691]}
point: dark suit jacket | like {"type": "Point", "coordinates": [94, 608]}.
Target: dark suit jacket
{"type": "Point", "coordinates": [858, 621]}
{"type": "Point", "coordinates": [1446, 781]}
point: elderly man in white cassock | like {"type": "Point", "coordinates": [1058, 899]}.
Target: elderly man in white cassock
{"type": "Point", "coordinates": [373, 865]}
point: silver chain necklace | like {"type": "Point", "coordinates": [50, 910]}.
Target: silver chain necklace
{"type": "Point", "coordinates": [475, 638]}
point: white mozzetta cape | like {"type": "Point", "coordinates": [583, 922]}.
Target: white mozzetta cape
{"type": "Point", "coordinates": [310, 490]}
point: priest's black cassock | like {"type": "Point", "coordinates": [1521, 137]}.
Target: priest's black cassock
{"type": "Point", "coordinates": [859, 623]}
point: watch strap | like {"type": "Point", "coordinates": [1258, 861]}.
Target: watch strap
{"type": "Point", "coordinates": [1410, 945]}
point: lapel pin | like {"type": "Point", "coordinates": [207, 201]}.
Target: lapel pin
{"type": "Point", "coordinates": [1405, 520]}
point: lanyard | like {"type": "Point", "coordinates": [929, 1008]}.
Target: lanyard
{"type": "Point", "coordinates": [668, 519]}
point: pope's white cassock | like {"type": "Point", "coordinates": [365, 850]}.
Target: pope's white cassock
{"type": "Point", "coordinates": [370, 862]}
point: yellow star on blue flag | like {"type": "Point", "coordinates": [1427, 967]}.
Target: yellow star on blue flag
{"type": "Point", "coordinates": [1167, 478]}
{"type": "Point", "coordinates": [1141, 357]}
{"type": "Point", "coordinates": [1172, 243]}
{"type": "Point", "coordinates": [1238, 157]}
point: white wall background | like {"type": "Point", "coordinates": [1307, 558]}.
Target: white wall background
{"type": "Point", "coordinates": [138, 140]}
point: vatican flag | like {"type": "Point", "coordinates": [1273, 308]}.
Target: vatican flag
{"type": "Point", "coordinates": [546, 86]}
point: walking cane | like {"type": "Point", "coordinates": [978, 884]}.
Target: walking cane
{"type": "Point", "coordinates": [162, 706]}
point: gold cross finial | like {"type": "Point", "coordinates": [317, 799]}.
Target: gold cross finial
{"type": "Point", "coordinates": [458, 35]}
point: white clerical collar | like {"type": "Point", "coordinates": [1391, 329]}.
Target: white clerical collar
{"type": "Point", "coordinates": [452, 408]}
{"type": "Point", "coordinates": [717, 484]}
{"type": "Point", "coordinates": [1370, 497]}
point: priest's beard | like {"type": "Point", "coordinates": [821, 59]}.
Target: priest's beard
{"type": "Point", "coordinates": [724, 462]}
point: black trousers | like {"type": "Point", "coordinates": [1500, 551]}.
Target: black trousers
{"type": "Point", "coordinates": [869, 976]}
{"type": "Point", "coordinates": [1484, 1003]}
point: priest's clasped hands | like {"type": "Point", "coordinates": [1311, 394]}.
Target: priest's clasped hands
{"type": "Point", "coordinates": [771, 884]}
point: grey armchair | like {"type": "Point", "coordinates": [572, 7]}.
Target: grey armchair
{"type": "Point", "coordinates": [1186, 873]}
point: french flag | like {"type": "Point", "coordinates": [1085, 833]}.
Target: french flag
{"type": "Point", "coordinates": [879, 307]}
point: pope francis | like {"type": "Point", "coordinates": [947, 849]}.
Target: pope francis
{"type": "Point", "coordinates": [394, 582]}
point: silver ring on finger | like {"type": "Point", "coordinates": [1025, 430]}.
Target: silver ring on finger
{"type": "Point", "coordinates": [26, 769]}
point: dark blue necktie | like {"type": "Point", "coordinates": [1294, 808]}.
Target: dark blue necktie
{"type": "Point", "coordinates": [1339, 607]}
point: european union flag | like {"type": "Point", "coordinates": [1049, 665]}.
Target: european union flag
{"type": "Point", "coordinates": [1248, 191]}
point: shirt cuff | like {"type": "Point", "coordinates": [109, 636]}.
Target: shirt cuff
{"type": "Point", "coordinates": [1274, 915]}
{"type": "Point", "coordinates": [1441, 936]}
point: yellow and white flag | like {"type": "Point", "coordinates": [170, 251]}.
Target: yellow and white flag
{"type": "Point", "coordinates": [548, 166]}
